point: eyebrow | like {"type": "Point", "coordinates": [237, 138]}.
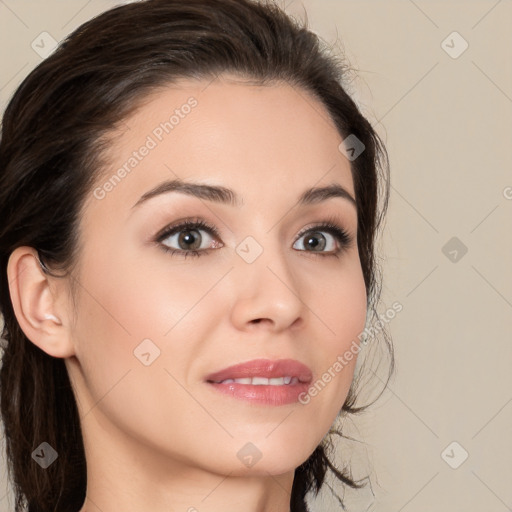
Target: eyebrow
{"type": "Point", "coordinates": [225, 195]}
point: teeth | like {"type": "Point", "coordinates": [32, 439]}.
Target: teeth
{"type": "Point", "coordinates": [246, 380]}
{"type": "Point", "coordinates": [259, 381]}
{"type": "Point", "coordinates": [263, 381]}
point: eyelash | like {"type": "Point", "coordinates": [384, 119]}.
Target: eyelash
{"type": "Point", "coordinates": [329, 225]}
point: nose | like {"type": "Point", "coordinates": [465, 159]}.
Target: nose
{"type": "Point", "coordinates": [266, 293]}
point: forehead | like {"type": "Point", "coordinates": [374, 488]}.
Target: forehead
{"type": "Point", "coordinates": [266, 142]}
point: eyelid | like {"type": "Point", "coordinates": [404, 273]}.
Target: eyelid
{"type": "Point", "coordinates": [179, 225]}
{"type": "Point", "coordinates": [326, 221]}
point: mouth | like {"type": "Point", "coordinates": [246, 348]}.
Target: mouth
{"type": "Point", "coordinates": [263, 381]}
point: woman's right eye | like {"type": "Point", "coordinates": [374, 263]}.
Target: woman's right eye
{"type": "Point", "coordinates": [188, 240]}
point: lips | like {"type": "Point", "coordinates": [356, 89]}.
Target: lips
{"type": "Point", "coordinates": [262, 381]}
{"type": "Point", "coordinates": [264, 369]}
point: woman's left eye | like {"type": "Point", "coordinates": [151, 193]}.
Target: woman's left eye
{"type": "Point", "coordinates": [325, 246]}
{"type": "Point", "coordinates": [190, 242]}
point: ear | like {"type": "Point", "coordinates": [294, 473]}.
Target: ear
{"type": "Point", "coordinates": [35, 297]}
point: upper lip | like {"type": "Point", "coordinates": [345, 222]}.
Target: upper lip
{"type": "Point", "coordinates": [264, 368]}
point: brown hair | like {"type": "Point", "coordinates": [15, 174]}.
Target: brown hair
{"type": "Point", "coordinates": [53, 131]}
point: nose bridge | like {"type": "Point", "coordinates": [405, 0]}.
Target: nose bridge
{"type": "Point", "coordinates": [266, 286]}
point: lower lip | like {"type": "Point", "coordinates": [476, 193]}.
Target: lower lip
{"type": "Point", "coordinates": [261, 394]}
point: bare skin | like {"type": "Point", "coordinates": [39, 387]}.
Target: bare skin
{"type": "Point", "coordinates": [157, 436]}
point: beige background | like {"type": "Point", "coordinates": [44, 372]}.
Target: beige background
{"type": "Point", "coordinates": [447, 123]}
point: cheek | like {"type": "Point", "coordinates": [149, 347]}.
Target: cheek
{"type": "Point", "coordinates": [134, 299]}
{"type": "Point", "coordinates": [342, 307]}
{"type": "Point", "coordinates": [125, 310]}
{"type": "Point", "coordinates": [341, 310]}
{"type": "Point", "coordinates": [128, 307]}
{"type": "Point", "coordinates": [353, 310]}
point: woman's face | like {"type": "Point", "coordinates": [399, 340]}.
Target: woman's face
{"type": "Point", "coordinates": [152, 324]}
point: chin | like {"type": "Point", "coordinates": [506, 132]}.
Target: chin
{"type": "Point", "coordinates": [247, 459]}
{"type": "Point", "coordinates": [264, 458]}
{"type": "Point", "coordinates": [273, 465]}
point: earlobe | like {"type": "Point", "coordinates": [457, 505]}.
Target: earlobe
{"type": "Point", "coordinates": [35, 305]}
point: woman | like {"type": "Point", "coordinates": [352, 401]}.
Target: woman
{"type": "Point", "coordinates": [136, 375]}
